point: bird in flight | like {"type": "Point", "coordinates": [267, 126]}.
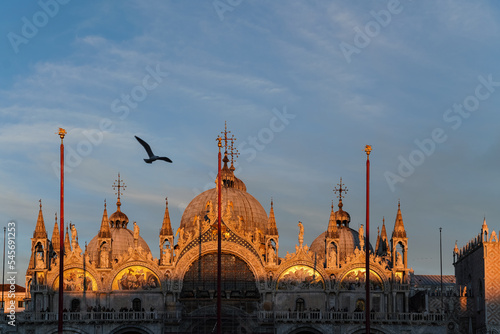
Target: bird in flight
{"type": "Point", "coordinates": [152, 156]}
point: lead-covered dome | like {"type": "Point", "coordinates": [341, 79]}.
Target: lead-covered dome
{"type": "Point", "coordinates": [247, 212]}
{"type": "Point", "coordinates": [118, 218]}
{"type": "Point", "coordinates": [244, 206]}
{"type": "Point", "coordinates": [121, 237]}
{"type": "Point", "coordinates": [122, 240]}
{"type": "Point", "coordinates": [348, 241]}
{"type": "Point", "coordinates": [341, 217]}
{"type": "Point", "coordinates": [338, 229]}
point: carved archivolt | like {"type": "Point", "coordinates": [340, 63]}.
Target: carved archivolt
{"type": "Point", "coordinates": [300, 277]}
{"type": "Point", "coordinates": [210, 235]}
{"type": "Point", "coordinates": [254, 263]}
{"type": "Point", "coordinates": [72, 270]}
{"type": "Point", "coordinates": [373, 268]}
{"type": "Point", "coordinates": [76, 280]}
{"type": "Point", "coordinates": [110, 277]}
{"type": "Point", "coordinates": [136, 278]}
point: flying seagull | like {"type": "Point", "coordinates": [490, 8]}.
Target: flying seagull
{"type": "Point", "coordinates": [152, 157]}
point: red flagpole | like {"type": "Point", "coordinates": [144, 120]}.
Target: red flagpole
{"type": "Point", "coordinates": [368, 149]}
{"type": "Point", "coordinates": [61, 133]}
{"type": "Point", "coordinates": [219, 244]}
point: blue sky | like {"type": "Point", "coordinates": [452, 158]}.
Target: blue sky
{"type": "Point", "coordinates": [419, 81]}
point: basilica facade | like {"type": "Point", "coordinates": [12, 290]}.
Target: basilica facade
{"type": "Point", "coordinates": [115, 285]}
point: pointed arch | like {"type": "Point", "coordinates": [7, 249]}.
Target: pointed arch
{"type": "Point", "coordinates": [238, 280]}
{"type": "Point", "coordinates": [39, 256]}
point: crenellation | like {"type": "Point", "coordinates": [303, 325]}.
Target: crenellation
{"type": "Point", "coordinates": [477, 272]}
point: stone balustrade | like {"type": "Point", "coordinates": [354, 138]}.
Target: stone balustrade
{"type": "Point", "coordinates": [118, 316]}
{"type": "Point", "coordinates": [346, 317]}
{"type": "Point", "coordinates": [263, 316]}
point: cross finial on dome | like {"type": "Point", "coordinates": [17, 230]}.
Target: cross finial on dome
{"type": "Point", "coordinates": [234, 151]}
{"type": "Point", "coordinates": [229, 142]}
{"type": "Point", "coordinates": [119, 192]}
{"type": "Point", "coordinates": [225, 138]}
{"type": "Point", "coordinates": [121, 184]}
{"type": "Point", "coordinates": [340, 190]}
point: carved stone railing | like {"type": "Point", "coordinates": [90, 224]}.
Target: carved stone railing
{"type": "Point", "coordinates": [263, 316]}
{"type": "Point", "coordinates": [346, 317]}
{"type": "Point", "coordinates": [39, 288]}
{"type": "Point", "coordinates": [119, 316]}
{"type": "Point", "coordinates": [400, 287]}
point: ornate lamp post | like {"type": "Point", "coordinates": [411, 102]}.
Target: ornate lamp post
{"type": "Point", "coordinates": [368, 149]}
{"type": "Point", "coordinates": [61, 134]}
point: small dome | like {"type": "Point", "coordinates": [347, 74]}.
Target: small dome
{"type": "Point", "coordinates": [348, 242]}
{"type": "Point", "coordinates": [229, 180]}
{"type": "Point", "coordinates": [238, 184]}
{"type": "Point", "coordinates": [121, 240]}
{"type": "Point", "coordinates": [341, 217]}
{"type": "Point", "coordinates": [118, 218]}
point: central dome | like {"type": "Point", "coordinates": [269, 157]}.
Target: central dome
{"type": "Point", "coordinates": [246, 210]}
{"type": "Point", "coordinates": [244, 206]}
